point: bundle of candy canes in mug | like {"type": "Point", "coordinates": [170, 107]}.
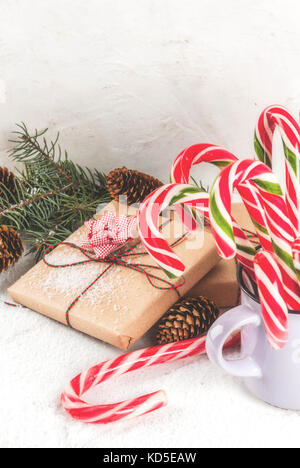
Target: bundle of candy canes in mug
{"type": "Point", "coordinates": [275, 268]}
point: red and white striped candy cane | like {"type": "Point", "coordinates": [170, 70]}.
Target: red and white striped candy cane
{"type": "Point", "coordinates": [296, 256]}
{"type": "Point", "coordinates": [271, 294]}
{"type": "Point", "coordinates": [279, 226]}
{"type": "Point", "coordinates": [180, 172]}
{"type": "Point", "coordinates": [148, 221]}
{"type": "Point", "coordinates": [219, 157]}
{"type": "Point", "coordinates": [153, 240]}
{"type": "Point", "coordinates": [158, 247]}
{"type": "Point", "coordinates": [222, 158]}
{"type": "Point", "coordinates": [73, 398]}
{"type": "Point", "coordinates": [196, 154]}
{"type": "Point", "coordinates": [270, 118]}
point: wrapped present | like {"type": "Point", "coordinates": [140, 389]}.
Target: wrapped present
{"type": "Point", "coordinates": [119, 301]}
{"type": "Point", "coordinates": [220, 284]}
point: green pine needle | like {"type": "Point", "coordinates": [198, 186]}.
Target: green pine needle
{"type": "Point", "coordinates": [52, 195]}
{"type": "Point", "coordinates": [200, 185]}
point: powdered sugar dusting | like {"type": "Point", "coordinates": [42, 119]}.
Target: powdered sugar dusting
{"type": "Point", "coordinates": [112, 301]}
{"type": "Point", "coordinates": [102, 297]}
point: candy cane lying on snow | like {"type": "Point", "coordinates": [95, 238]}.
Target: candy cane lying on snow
{"type": "Point", "coordinates": [270, 194]}
{"type": "Point", "coordinates": [270, 118]}
{"type": "Point", "coordinates": [73, 398]}
{"type": "Point", "coordinates": [271, 294]}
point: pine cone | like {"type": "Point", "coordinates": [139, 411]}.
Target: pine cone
{"type": "Point", "coordinates": [134, 184]}
{"type": "Point", "coordinates": [8, 179]}
{"type": "Point", "coordinates": [11, 247]}
{"type": "Point", "coordinates": [188, 318]}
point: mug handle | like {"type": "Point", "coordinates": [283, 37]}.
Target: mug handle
{"type": "Point", "coordinates": [220, 332]}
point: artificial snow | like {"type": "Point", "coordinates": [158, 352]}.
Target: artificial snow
{"type": "Point", "coordinates": [207, 408]}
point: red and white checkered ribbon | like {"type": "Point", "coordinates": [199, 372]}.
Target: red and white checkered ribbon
{"type": "Point", "coordinates": [108, 233]}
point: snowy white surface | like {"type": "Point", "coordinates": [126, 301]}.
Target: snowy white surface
{"type": "Point", "coordinates": [132, 83]}
{"type": "Point", "coordinates": [207, 408]}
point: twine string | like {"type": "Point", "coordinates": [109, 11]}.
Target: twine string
{"type": "Point", "coordinates": [120, 260]}
{"type": "Point", "coordinates": [155, 281]}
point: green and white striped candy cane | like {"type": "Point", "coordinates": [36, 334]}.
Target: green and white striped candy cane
{"type": "Point", "coordinates": [270, 118]}
{"type": "Point", "coordinates": [262, 179]}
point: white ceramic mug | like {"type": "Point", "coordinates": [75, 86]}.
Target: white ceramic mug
{"type": "Point", "coordinates": [273, 376]}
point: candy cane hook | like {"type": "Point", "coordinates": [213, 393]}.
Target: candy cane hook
{"type": "Point", "coordinates": [270, 118]}
{"type": "Point", "coordinates": [280, 228]}
{"type": "Point", "coordinates": [73, 398]}
{"type": "Point", "coordinates": [221, 158]}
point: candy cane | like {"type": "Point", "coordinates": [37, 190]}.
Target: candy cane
{"type": "Point", "coordinates": [271, 294]}
{"type": "Point", "coordinates": [270, 194]}
{"type": "Point", "coordinates": [180, 173]}
{"type": "Point", "coordinates": [195, 154]}
{"type": "Point", "coordinates": [148, 218]}
{"type": "Point", "coordinates": [157, 246]}
{"type": "Point", "coordinates": [296, 256]}
{"type": "Point", "coordinates": [220, 157]}
{"type": "Point", "coordinates": [270, 118]}
{"type": "Point", "coordinates": [73, 398]}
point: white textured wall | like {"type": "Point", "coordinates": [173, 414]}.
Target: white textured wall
{"type": "Point", "coordinates": [134, 81]}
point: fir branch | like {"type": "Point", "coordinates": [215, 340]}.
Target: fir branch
{"type": "Point", "coordinates": [52, 195]}
{"type": "Point", "coordinates": [28, 145]}
{"type": "Point", "coordinates": [36, 199]}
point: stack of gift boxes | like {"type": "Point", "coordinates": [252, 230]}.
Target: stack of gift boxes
{"type": "Point", "coordinates": [122, 305]}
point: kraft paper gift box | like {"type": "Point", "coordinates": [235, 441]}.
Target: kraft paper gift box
{"type": "Point", "coordinates": [220, 284]}
{"type": "Point", "coordinates": [122, 305]}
